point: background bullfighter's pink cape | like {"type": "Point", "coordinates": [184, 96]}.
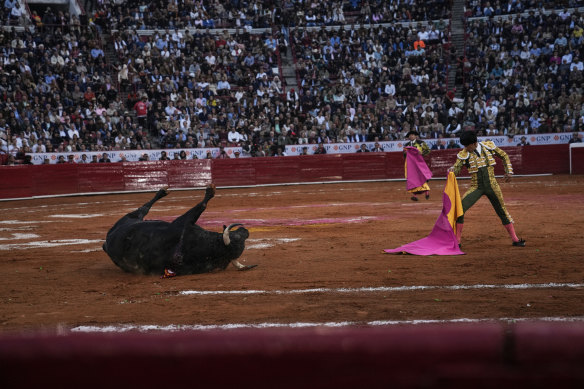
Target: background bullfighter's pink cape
{"type": "Point", "coordinates": [442, 239]}
{"type": "Point", "coordinates": [417, 170]}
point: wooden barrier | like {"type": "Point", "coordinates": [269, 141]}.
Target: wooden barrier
{"type": "Point", "coordinates": [42, 180]}
{"type": "Point", "coordinates": [495, 355]}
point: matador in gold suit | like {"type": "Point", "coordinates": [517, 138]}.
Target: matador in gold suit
{"type": "Point", "coordinates": [478, 158]}
{"type": "Point", "coordinates": [423, 148]}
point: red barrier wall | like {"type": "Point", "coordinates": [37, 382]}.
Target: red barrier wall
{"type": "Point", "coordinates": [577, 161]}
{"type": "Point", "coordinates": [524, 355]}
{"type": "Point", "coordinates": [39, 180]}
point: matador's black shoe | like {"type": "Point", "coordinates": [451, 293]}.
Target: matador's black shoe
{"type": "Point", "coordinates": [414, 198]}
{"type": "Point", "coordinates": [520, 243]}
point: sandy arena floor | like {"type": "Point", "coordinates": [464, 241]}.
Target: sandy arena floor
{"type": "Point", "coordinates": [319, 254]}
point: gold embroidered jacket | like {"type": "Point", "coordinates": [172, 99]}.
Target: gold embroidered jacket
{"type": "Point", "coordinates": [420, 145]}
{"type": "Point", "coordinates": [474, 162]}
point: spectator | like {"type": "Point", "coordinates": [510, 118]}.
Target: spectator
{"type": "Point", "coordinates": [363, 148]}
{"type": "Point", "coordinates": [141, 110]}
{"type": "Point", "coordinates": [453, 128]}
{"type": "Point", "coordinates": [523, 142]}
{"type": "Point", "coordinates": [439, 145]}
{"type": "Point", "coordinates": [222, 153]}
{"type": "Point", "coordinates": [452, 144]}
{"type": "Point", "coordinates": [16, 14]}
{"type": "Point", "coordinates": [320, 149]}
{"type": "Point", "coordinates": [575, 138]}
{"type": "Point", "coordinates": [377, 148]}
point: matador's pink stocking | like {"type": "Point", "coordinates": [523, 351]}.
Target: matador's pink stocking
{"type": "Point", "coordinates": [511, 230]}
{"type": "Point", "coordinates": [459, 231]}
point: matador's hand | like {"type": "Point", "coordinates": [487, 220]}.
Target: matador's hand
{"type": "Point", "coordinates": [508, 177]}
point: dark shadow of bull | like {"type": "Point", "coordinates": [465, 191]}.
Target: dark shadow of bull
{"type": "Point", "coordinates": [154, 246]}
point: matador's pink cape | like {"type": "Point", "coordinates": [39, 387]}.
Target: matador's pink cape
{"type": "Point", "coordinates": [417, 170]}
{"type": "Point", "coordinates": [442, 239]}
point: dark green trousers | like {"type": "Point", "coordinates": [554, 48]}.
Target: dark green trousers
{"type": "Point", "coordinates": [485, 184]}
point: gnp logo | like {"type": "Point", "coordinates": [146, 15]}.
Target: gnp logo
{"type": "Point", "coordinates": [346, 147]}
{"type": "Point", "coordinates": [497, 141]}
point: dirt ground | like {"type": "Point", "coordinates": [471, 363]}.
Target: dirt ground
{"type": "Point", "coordinates": [319, 251]}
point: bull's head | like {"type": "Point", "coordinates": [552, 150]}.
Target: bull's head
{"type": "Point", "coordinates": [239, 236]}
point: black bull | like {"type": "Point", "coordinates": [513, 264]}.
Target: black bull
{"type": "Point", "coordinates": [153, 246]}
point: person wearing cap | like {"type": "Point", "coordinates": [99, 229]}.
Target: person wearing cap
{"type": "Point", "coordinates": [478, 158]}
{"type": "Point", "coordinates": [291, 96]}
{"type": "Point", "coordinates": [415, 141]}
{"type": "Point", "coordinates": [523, 142]}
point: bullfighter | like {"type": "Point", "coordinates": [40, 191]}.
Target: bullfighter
{"type": "Point", "coordinates": [478, 158]}
{"type": "Point", "coordinates": [415, 141]}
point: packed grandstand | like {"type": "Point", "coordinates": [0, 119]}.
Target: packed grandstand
{"type": "Point", "coordinates": [261, 78]}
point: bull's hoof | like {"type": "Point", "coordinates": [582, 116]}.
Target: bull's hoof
{"type": "Point", "coordinates": [210, 191]}
{"type": "Point", "coordinates": [163, 192]}
{"type": "Point", "coordinates": [246, 267]}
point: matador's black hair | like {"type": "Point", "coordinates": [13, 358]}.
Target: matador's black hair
{"type": "Point", "coordinates": [468, 138]}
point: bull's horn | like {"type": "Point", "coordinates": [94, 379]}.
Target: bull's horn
{"type": "Point", "coordinates": [226, 233]}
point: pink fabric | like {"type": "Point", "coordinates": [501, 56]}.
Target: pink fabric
{"type": "Point", "coordinates": [441, 240]}
{"type": "Point", "coordinates": [417, 170]}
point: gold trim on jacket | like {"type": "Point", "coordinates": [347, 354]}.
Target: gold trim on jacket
{"type": "Point", "coordinates": [474, 162]}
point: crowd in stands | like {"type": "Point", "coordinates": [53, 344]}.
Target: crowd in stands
{"type": "Point", "coordinates": [524, 73]}
{"type": "Point", "coordinates": [67, 85]}
{"type": "Point", "coordinates": [152, 15]}
{"type": "Point", "coordinates": [487, 8]}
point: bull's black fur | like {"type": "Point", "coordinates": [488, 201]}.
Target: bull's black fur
{"type": "Point", "coordinates": [151, 246]}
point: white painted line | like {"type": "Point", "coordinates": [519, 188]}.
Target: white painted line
{"type": "Point", "coordinates": [385, 289]}
{"type": "Point", "coordinates": [18, 222]}
{"type": "Point", "coordinates": [47, 243]}
{"type": "Point", "coordinates": [376, 323]}
{"type": "Point", "coordinates": [19, 235]}
{"type": "Point", "coordinates": [266, 243]}
{"type": "Point", "coordinates": [88, 250]}
{"type": "Point", "coordinates": [77, 216]}
{"type": "Point", "coordinates": [259, 246]}
{"type": "Point", "coordinates": [17, 228]}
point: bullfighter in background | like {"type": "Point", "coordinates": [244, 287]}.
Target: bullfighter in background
{"type": "Point", "coordinates": [417, 172]}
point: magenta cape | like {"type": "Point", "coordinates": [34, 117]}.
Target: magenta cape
{"type": "Point", "coordinates": [442, 239]}
{"type": "Point", "coordinates": [417, 170]}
